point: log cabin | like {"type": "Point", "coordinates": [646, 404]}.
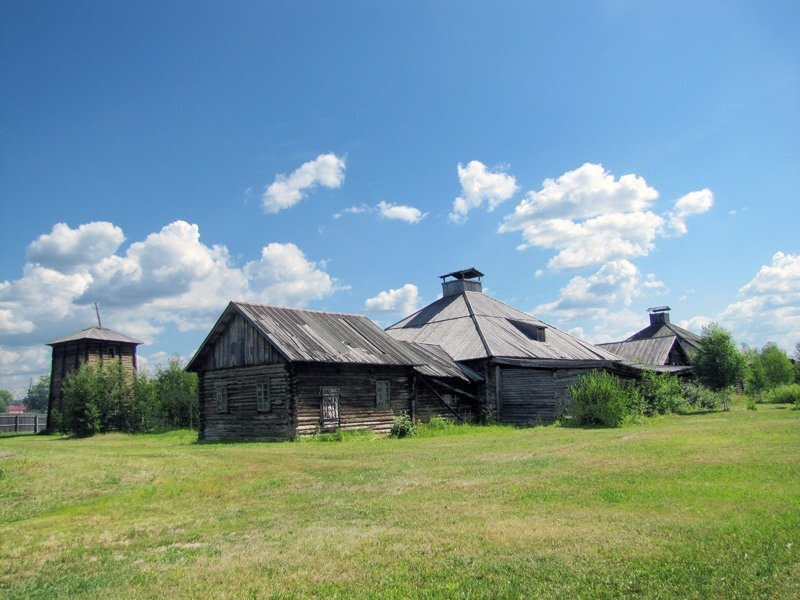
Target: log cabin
{"type": "Point", "coordinates": [527, 364]}
{"type": "Point", "coordinates": [272, 373]}
{"type": "Point", "coordinates": [661, 346]}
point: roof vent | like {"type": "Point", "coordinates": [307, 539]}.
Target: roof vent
{"type": "Point", "coordinates": [534, 332]}
{"type": "Point", "coordinates": [659, 315]}
{"type": "Point", "coordinates": [465, 280]}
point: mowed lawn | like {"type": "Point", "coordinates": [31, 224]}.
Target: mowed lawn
{"type": "Point", "coordinates": [692, 506]}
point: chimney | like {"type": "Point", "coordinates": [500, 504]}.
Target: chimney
{"type": "Point", "coordinates": [659, 315]}
{"type": "Point", "coordinates": [465, 280]}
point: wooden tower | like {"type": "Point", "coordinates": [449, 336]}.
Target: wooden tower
{"type": "Point", "coordinates": [91, 345]}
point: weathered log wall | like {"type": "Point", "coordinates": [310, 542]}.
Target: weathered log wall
{"type": "Point", "coordinates": [357, 395]}
{"type": "Point", "coordinates": [529, 396]}
{"type": "Point", "coordinates": [241, 418]}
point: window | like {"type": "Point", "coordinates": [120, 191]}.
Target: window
{"type": "Point", "coordinates": [449, 399]}
{"type": "Point", "coordinates": [330, 406]}
{"type": "Point", "coordinates": [382, 394]}
{"type": "Point", "coordinates": [221, 397]}
{"type": "Point", "coordinates": [263, 403]}
{"type": "Point", "coordinates": [530, 330]}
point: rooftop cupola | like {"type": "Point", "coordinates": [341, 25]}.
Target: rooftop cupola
{"type": "Point", "coordinates": [659, 315]}
{"type": "Point", "coordinates": [465, 280]}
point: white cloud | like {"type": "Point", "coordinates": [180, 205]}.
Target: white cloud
{"type": "Point", "coordinates": [170, 277]}
{"type": "Point", "coordinates": [693, 203]}
{"type": "Point", "coordinates": [589, 217]}
{"type": "Point", "coordinates": [400, 212]}
{"type": "Point", "coordinates": [353, 210]}
{"type": "Point", "coordinates": [616, 284]}
{"type": "Point", "coordinates": [326, 170]}
{"type": "Point", "coordinates": [19, 365]}
{"type": "Point", "coordinates": [66, 250]}
{"type": "Point", "coordinates": [404, 300]}
{"type": "Point", "coordinates": [769, 305]}
{"type": "Point", "coordinates": [479, 185]}
{"type": "Point", "coordinates": [284, 276]}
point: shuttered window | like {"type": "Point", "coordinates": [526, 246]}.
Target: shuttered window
{"type": "Point", "coordinates": [221, 397]}
{"type": "Point", "coordinates": [263, 400]}
{"type": "Point", "coordinates": [382, 394]}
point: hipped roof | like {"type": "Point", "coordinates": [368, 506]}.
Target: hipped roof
{"type": "Point", "coordinates": [96, 333]}
{"type": "Point", "coordinates": [326, 337]}
{"type": "Point", "coordinates": [648, 351]}
{"type": "Point", "coordinates": [472, 325]}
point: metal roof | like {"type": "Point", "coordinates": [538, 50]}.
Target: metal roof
{"type": "Point", "coordinates": [326, 337]}
{"type": "Point", "coordinates": [658, 309]}
{"type": "Point", "coordinates": [648, 351]}
{"type": "Point", "coordinates": [96, 333]}
{"type": "Point", "coordinates": [472, 325]}
{"type": "Point", "coordinates": [689, 341]}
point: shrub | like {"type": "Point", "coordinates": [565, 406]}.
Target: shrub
{"type": "Point", "coordinates": [661, 393]}
{"type": "Point", "coordinates": [784, 394]}
{"type": "Point", "coordinates": [698, 396]}
{"type": "Point", "coordinates": [177, 394]}
{"type": "Point", "coordinates": [81, 391]}
{"type": "Point", "coordinates": [599, 398]}
{"type": "Point", "coordinates": [751, 403]}
{"type": "Point", "coordinates": [717, 362]}
{"type": "Point", "coordinates": [402, 426]}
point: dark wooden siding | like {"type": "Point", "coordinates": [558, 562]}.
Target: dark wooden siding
{"type": "Point", "coordinates": [240, 344]}
{"type": "Point", "coordinates": [356, 385]}
{"type": "Point", "coordinates": [428, 404]}
{"type": "Point", "coordinates": [242, 420]}
{"type": "Point", "coordinates": [529, 396]}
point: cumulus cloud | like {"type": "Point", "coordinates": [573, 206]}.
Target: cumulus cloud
{"type": "Point", "coordinates": [386, 210]}
{"type": "Point", "coordinates": [693, 203]}
{"type": "Point", "coordinates": [286, 277]}
{"type": "Point", "coordinates": [479, 185]}
{"type": "Point", "coordinates": [615, 284]}
{"type": "Point", "coordinates": [589, 217]}
{"type": "Point", "coordinates": [170, 277]}
{"type": "Point", "coordinates": [400, 212]}
{"type": "Point", "coordinates": [66, 250]}
{"type": "Point", "coordinates": [404, 300]}
{"type": "Point", "coordinates": [326, 170]}
{"type": "Point", "coordinates": [769, 304]}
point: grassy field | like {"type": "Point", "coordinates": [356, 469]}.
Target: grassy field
{"type": "Point", "coordinates": [692, 506]}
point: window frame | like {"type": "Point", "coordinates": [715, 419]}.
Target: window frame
{"type": "Point", "coordinates": [221, 403]}
{"type": "Point", "coordinates": [387, 386]}
{"type": "Point", "coordinates": [264, 397]}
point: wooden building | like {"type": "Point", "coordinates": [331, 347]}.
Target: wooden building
{"type": "Point", "coordinates": [527, 364]}
{"type": "Point", "coordinates": [91, 345]}
{"type": "Point", "coordinates": [273, 373]}
{"type": "Point", "coordinates": [661, 346]}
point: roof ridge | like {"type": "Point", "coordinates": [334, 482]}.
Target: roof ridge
{"type": "Point", "coordinates": [477, 326]}
{"type": "Point", "coordinates": [308, 310]}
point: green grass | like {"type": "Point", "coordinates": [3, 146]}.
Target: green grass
{"type": "Point", "coordinates": [697, 506]}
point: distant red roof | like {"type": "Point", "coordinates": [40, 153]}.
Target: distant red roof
{"type": "Point", "coordinates": [15, 408]}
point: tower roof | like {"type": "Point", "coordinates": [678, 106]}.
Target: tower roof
{"type": "Point", "coordinates": [96, 333]}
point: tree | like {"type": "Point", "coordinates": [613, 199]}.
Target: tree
{"type": "Point", "coordinates": [176, 390]}
{"type": "Point", "coordinates": [6, 398]}
{"type": "Point", "coordinates": [38, 394]}
{"type": "Point", "coordinates": [778, 369]}
{"type": "Point", "coordinates": [717, 363]}
{"type": "Point", "coordinates": [796, 357]}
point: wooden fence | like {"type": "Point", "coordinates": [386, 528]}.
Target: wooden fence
{"type": "Point", "coordinates": [22, 422]}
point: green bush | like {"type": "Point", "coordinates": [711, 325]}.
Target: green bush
{"type": "Point", "coordinates": [717, 362]}
{"type": "Point", "coordinates": [177, 393]}
{"type": "Point", "coordinates": [784, 394]}
{"type": "Point", "coordinates": [661, 394]}
{"type": "Point", "coordinates": [599, 398]}
{"type": "Point", "coordinates": [82, 390]}
{"type": "Point", "coordinates": [700, 397]}
{"type": "Point", "coordinates": [402, 426]}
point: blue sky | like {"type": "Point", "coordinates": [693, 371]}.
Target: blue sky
{"type": "Point", "coordinates": [140, 145]}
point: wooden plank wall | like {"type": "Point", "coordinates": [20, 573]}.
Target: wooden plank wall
{"type": "Point", "coordinates": [428, 405]}
{"type": "Point", "coordinates": [530, 396]}
{"type": "Point", "coordinates": [240, 344]}
{"type": "Point", "coordinates": [356, 385]}
{"type": "Point", "coordinates": [243, 421]}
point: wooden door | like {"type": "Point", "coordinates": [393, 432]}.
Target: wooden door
{"type": "Point", "coordinates": [330, 407]}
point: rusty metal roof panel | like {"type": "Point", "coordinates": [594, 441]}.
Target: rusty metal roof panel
{"type": "Point", "coordinates": [96, 333]}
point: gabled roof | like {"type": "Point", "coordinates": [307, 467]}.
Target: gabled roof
{"type": "Point", "coordinates": [648, 351]}
{"type": "Point", "coordinates": [472, 325]}
{"type": "Point", "coordinates": [327, 337]}
{"type": "Point", "coordinates": [96, 333]}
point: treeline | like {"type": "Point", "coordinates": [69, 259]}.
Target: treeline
{"type": "Point", "coordinates": [602, 399]}
{"type": "Point", "coordinates": [103, 398]}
